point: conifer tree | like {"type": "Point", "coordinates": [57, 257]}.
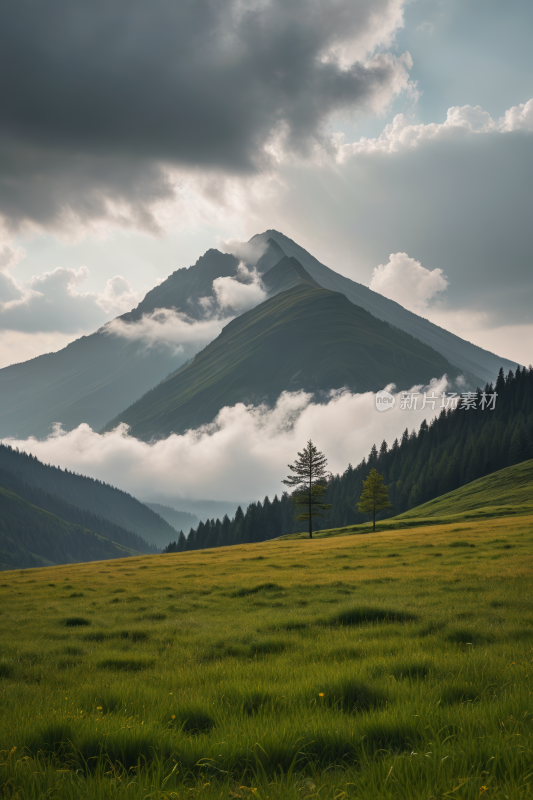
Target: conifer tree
{"type": "Point", "coordinates": [308, 483]}
{"type": "Point", "coordinates": [375, 496]}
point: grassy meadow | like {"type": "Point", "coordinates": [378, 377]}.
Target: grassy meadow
{"type": "Point", "coordinates": [393, 665]}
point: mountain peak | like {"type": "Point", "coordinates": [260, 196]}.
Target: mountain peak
{"type": "Point", "coordinates": [288, 272]}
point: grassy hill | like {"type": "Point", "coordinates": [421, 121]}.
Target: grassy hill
{"type": "Point", "coordinates": [31, 537]}
{"type": "Point", "coordinates": [507, 492]}
{"type": "Point", "coordinates": [304, 338]}
{"type": "Point", "coordinates": [390, 666]}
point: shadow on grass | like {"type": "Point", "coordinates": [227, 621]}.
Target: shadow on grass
{"type": "Point", "coordinates": [191, 720]}
{"type": "Point", "coordinates": [125, 664]}
{"type": "Point", "coordinates": [467, 636]}
{"type": "Point", "coordinates": [244, 650]}
{"type": "Point", "coordinates": [365, 615]}
{"type": "Point", "coordinates": [351, 696]}
{"type": "Point", "coordinates": [262, 587]}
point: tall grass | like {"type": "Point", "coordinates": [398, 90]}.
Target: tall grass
{"type": "Point", "coordinates": [219, 674]}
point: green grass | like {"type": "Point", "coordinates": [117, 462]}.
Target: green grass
{"type": "Point", "coordinates": [219, 674]}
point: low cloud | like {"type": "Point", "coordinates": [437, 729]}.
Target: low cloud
{"type": "Point", "coordinates": [249, 252]}
{"type": "Point", "coordinates": [240, 293]}
{"type": "Point", "coordinates": [408, 283]}
{"type": "Point", "coordinates": [243, 455]}
{"type": "Point", "coordinates": [176, 329]}
{"type": "Point", "coordinates": [168, 327]}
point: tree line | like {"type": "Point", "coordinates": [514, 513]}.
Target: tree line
{"type": "Point", "coordinates": [455, 448]}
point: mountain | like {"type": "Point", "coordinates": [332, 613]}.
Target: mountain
{"type": "Point", "coordinates": [95, 377]}
{"type": "Point", "coordinates": [90, 495]}
{"type": "Point", "coordinates": [76, 516]}
{"type": "Point", "coordinates": [31, 537]}
{"type": "Point", "coordinates": [303, 338]}
{"type": "Point", "coordinates": [462, 354]}
{"type": "Point", "coordinates": [285, 274]}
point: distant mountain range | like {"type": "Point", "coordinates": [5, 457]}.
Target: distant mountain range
{"type": "Point", "coordinates": [179, 520]}
{"type": "Point", "coordinates": [305, 338]}
{"type": "Point", "coordinates": [94, 378]}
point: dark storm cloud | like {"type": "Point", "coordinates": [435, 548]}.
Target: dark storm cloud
{"type": "Point", "coordinates": [98, 93]}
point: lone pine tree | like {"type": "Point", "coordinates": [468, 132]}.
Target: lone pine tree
{"type": "Point", "coordinates": [309, 482]}
{"type": "Point", "coordinates": [375, 496]}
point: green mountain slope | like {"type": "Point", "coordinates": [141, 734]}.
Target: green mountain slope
{"type": "Point", "coordinates": [31, 537]}
{"type": "Point", "coordinates": [89, 495]}
{"type": "Point", "coordinates": [304, 338]}
{"type": "Point", "coordinates": [509, 490]}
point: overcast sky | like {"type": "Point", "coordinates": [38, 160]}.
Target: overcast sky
{"type": "Point", "coordinates": [392, 139]}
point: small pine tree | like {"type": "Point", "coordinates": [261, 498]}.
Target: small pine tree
{"type": "Point", "coordinates": [309, 482]}
{"type": "Point", "coordinates": [375, 496]}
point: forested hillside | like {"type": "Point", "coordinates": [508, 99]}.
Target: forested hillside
{"type": "Point", "coordinates": [90, 495]}
{"type": "Point", "coordinates": [456, 448]}
{"type": "Point", "coordinates": [76, 516]}
{"type": "Point", "coordinates": [31, 537]}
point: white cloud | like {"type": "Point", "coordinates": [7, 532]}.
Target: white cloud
{"type": "Point", "coordinates": [19, 346]}
{"type": "Point", "coordinates": [9, 257]}
{"type": "Point", "coordinates": [241, 293]}
{"type": "Point", "coordinates": [51, 302]}
{"type": "Point", "coordinates": [242, 455]}
{"type": "Point", "coordinates": [249, 252]}
{"type": "Point", "coordinates": [118, 297]}
{"type": "Point", "coordinates": [518, 118]}
{"type": "Point", "coordinates": [401, 133]}
{"type": "Point", "coordinates": [408, 283]}
{"type": "Point", "coordinates": [166, 326]}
